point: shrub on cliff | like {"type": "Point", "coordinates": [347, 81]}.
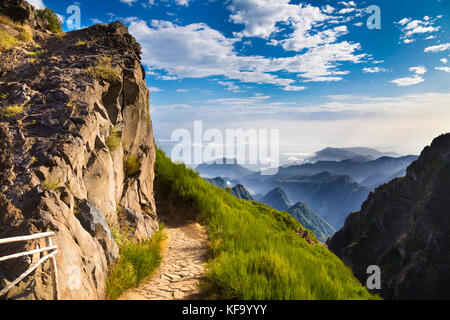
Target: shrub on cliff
{"type": "Point", "coordinates": [52, 22]}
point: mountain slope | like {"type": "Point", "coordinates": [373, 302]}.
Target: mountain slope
{"type": "Point", "coordinates": [242, 193]}
{"type": "Point", "coordinates": [277, 199]}
{"type": "Point", "coordinates": [218, 182]}
{"type": "Point", "coordinates": [311, 221]}
{"type": "Point", "coordinates": [404, 227]}
{"type": "Point", "coordinates": [330, 195]}
{"type": "Point", "coordinates": [257, 252]}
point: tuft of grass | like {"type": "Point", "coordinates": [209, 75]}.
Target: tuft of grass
{"type": "Point", "coordinates": [138, 261]}
{"type": "Point", "coordinates": [52, 22]}
{"type": "Point", "coordinates": [7, 41]}
{"type": "Point", "coordinates": [37, 54]}
{"type": "Point", "coordinates": [103, 70]}
{"type": "Point", "coordinates": [257, 253]}
{"type": "Point", "coordinates": [80, 43]}
{"type": "Point", "coordinates": [11, 33]}
{"type": "Point", "coordinates": [25, 35]}
{"type": "Point", "coordinates": [113, 140]}
{"type": "Point", "coordinates": [50, 185]}
{"type": "Point", "coordinates": [72, 105]}
{"type": "Point", "coordinates": [4, 96]}
{"type": "Point", "coordinates": [11, 111]}
{"type": "Point", "coordinates": [131, 165]}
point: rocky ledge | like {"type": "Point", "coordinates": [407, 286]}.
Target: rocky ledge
{"type": "Point", "coordinates": [77, 151]}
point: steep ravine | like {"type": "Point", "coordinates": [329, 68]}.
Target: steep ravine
{"type": "Point", "coordinates": [77, 152]}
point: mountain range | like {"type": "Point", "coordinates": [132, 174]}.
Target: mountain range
{"type": "Point", "coordinates": [332, 189]}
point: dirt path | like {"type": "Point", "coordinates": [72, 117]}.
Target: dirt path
{"type": "Point", "coordinates": [182, 267]}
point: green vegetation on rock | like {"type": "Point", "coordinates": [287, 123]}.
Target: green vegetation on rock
{"type": "Point", "coordinates": [257, 252]}
{"type": "Point", "coordinates": [113, 140]}
{"type": "Point", "coordinates": [52, 22]}
{"type": "Point", "coordinates": [103, 70]}
{"type": "Point", "coordinates": [138, 261]}
{"type": "Point", "coordinates": [11, 111]}
{"type": "Point", "coordinates": [131, 165]}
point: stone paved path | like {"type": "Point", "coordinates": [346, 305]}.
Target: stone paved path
{"type": "Point", "coordinates": [182, 267]}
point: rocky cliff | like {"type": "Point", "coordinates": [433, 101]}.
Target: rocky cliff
{"type": "Point", "coordinates": [76, 150]}
{"type": "Point", "coordinates": [404, 228]}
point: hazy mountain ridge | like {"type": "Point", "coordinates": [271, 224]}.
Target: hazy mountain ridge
{"type": "Point", "coordinates": [340, 154]}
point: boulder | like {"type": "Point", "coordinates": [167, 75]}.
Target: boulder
{"type": "Point", "coordinates": [94, 222]}
{"type": "Point", "coordinates": [136, 225]}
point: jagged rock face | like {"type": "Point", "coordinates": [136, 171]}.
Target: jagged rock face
{"type": "Point", "coordinates": [56, 152]}
{"type": "Point", "coordinates": [404, 228]}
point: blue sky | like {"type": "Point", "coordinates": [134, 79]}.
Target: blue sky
{"type": "Point", "coordinates": [312, 69]}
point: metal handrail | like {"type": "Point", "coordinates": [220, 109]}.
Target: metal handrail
{"type": "Point", "coordinates": [50, 247]}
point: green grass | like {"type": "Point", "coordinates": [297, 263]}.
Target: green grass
{"type": "Point", "coordinates": [11, 111]}
{"type": "Point", "coordinates": [103, 70]}
{"type": "Point", "coordinates": [11, 33]}
{"type": "Point", "coordinates": [138, 261]}
{"type": "Point", "coordinates": [37, 54]}
{"type": "Point", "coordinates": [131, 165]}
{"type": "Point", "coordinates": [113, 140]}
{"type": "Point", "coordinates": [7, 41]}
{"type": "Point", "coordinates": [50, 185]}
{"type": "Point", "coordinates": [257, 252]}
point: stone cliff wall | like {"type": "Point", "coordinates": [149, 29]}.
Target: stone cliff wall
{"type": "Point", "coordinates": [76, 152]}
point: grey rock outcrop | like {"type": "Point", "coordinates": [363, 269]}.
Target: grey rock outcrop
{"type": "Point", "coordinates": [94, 222]}
{"type": "Point", "coordinates": [80, 115]}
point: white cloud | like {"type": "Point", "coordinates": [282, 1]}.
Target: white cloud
{"type": "Point", "coordinates": [294, 88]}
{"type": "Point", "coordinates": [415, 79]}
{"type": "Point", "coordinates": [374, 70]}
{"type": "Point", "coordinates": [96, 21]}
{"type": "Point", "coordinates": [182, 90]}
{"type": "Point", "coordinates": [410, 28]}
{"type": "Point", "coordinates": [154, 89]}
{"type": "Point", "coordinates": [443, 60]}
{"type": "Point", "coordinates": [38, 4]}
{"type": "Point", "coordinates": [446, 69]}
{"type": "Point", "coordinates": [206, 52]}
{"type": "Point", "coordinates": [128, 2]}
{"type": "Point", "coordinates": [418, 70]}
{"type": "Point", "coordinates": [408, 81]}
{"type": "Point", "coordinates": [438, 48]}
{"type": "Point", "coordinates": [346, 10]}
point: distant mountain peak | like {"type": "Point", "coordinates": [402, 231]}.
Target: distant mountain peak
{"type": "Point", "coordinates": [277, 199]}
{"type": "Point", "coordinates": [355, 153]}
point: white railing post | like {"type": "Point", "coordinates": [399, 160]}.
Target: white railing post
{"type": "Point", "coordinates": [50, 248]}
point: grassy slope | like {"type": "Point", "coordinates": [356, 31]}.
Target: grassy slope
{"type": "Point", "coordinates": [257, 252]}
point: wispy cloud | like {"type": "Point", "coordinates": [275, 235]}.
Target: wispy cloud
{"type": "Point", "coordinates": [411, 28]}
{"type": "Point", "coordinates": [438, 48]}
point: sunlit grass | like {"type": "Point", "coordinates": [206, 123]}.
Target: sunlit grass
{"type": "Point", "coordinates": [257, 252]}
